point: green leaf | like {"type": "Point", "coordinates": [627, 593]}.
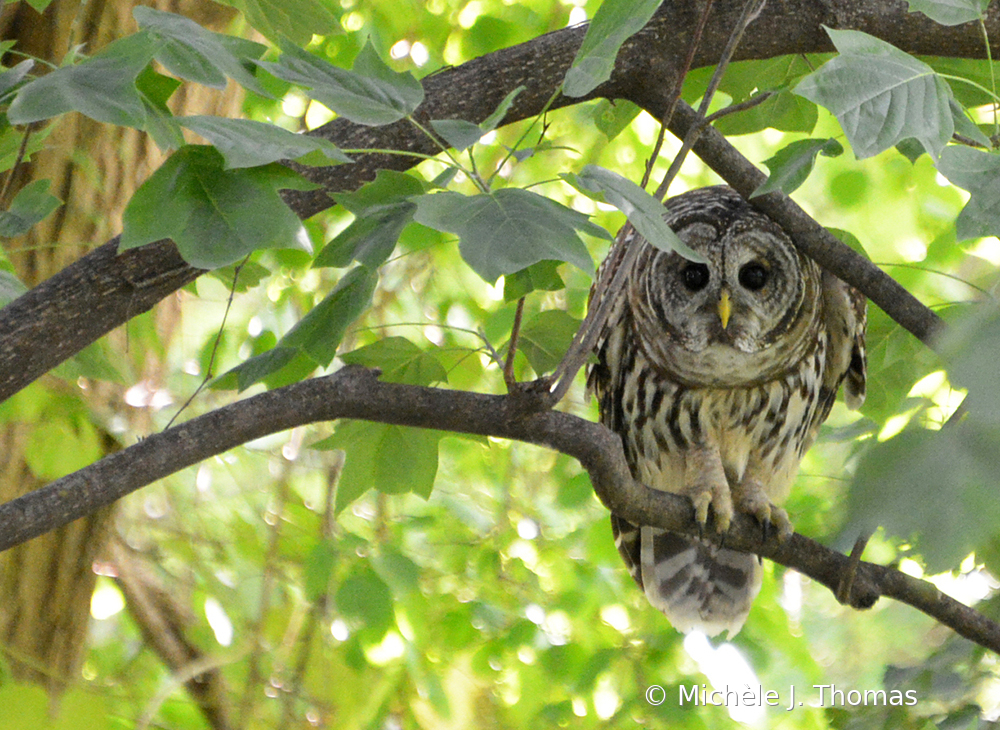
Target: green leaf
{"type": "Point", "coordinates": [298, 20]}
{"type": "Point", "coordinates": [10, 78]}
{"type": "Point", "coordinates": [783, 111]}
{"type": "Point", "coordinates": [364, 599]}
{"type": "Point", "coordinates": [155, 90]}
{"type": "Point", "coordinates": [506, 230]}
{"type": "Point", "coordinates": [937, 487]}
{"type": "Point", "coordinates": [32, 204]}
{"type": "Point", "coordinates": [400, 361]}
{"type": "Point", "coordinates": [102, 87]}
{"type": "Point", "coordinates": [246, 143]}
{"type": "Point", "coordinates": [10, 288]}
{"type": "Point", "coordinates": [461, 134]}
{"type": "Point", "coordinates": [382, 210]}
{"type": "Point", "coordinates": [643, 210]}
{"type": "Point", "coordinates": [391, 459]}
{"type": "Point", "coordinates": [613, 116]}
{"type": "Point", "coordinates": [950, 12]}
{"type": "Point", "coordinates": [791, 165]}
{"type": "Point", "coordinates": [979, 173]}
{"type": "Point", "coordinates": [545, 338]}
{"type": "Point", "coordinates": [197, 54]}
{"type": "Point", "coordinates": [215, 216]}
{"type": "Point", "coordinates": [318, 568]}
{"type": "Point", "coordinates": [881, 95]}
{"type": "Point", "coordinates": [493, 120]}
{"type": "Point", "coordinates": [542, 276]}
{"type": "Point", "coordinates": [371, 93]}
{"type": "Point", "coordinates": [319, 333]}
{"type": "Point", "coordinates": [256, 368]}
{"type": "Point", "coordinates": [966, 127]}
{"type": "Point", "coordinates": [611, 26]}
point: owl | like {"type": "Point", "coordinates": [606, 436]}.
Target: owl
{"type": "Point", "coordinates": [717, 376]}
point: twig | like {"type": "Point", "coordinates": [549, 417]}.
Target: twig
{"type": "Point", "coordinates": [515, 332]}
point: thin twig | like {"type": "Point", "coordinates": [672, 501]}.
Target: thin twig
{"type": "Point", "coordinates": [515, 331]}
{"type": "Point", "coordinates": [13, 170]}
{"type": "Point", "coordinates": [215, 347]}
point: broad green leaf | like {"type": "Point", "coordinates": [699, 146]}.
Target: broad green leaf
{"type": "Point", "coordinates": [458, 133]}
{"type": "Point", "coordinates": [215, 216]}
{"type": "Point", "coordinates": [14, 76]}
{"type": "Point", "coordinates": [155, 90]}
{"type": "Point", "coordinates": [102, 87]}
{"type": "Point", "coordinates": [256, 368]}
{"type": "Point", "coordinates": [319, 333]}
{"type": "Point", "coordinates": [971, 346]}
{"type": "Point", "coordinates": [545, 338]}
{"type": "Point", "coordinates": [298, 20]}
{"type": "Point", "coordinates": [194, 53]}
{"type": "Point", "coordinates": [32, 204]}
{"type": "Point", "coordinates": [364, 599]}
{"type": "Point", "coordinates": [966, 127]}
{"type": "Point", "coordinates": [371, 93]}
{"type": "Point", "coordinates": [613, 116]}
{"type": "Point", "coordinates": [400, 361]}
{"type": "Point", "coordinates": [950, 12]}
{"type": "Point", "coordinates": [246, 143]}
{"type": "Point", "coordinates": [611, 26]}
{"type": "Point", "coordinates": [937, 487]}
{"type": "Point", "coordinates": [542, 276]}
{"type": "Point", "coordinates": [643, 210]}
{"type": "Point", "coordinates": [91, 362]}
{"type": "Point", "coordinates": [66, 441]}
{"type": "Point", "coordinates": [493, 120]}
{"type": "Point", "coordinates": [791, 165]}
{"type": "Point", "coordinates": [382, 210]}
{"type": "Point", "coordinates": [10, 288]}
{"type": "Point", "coordinates": [506, 230]}
{"type": "Point", "coordinates": [390, 459]}
{"type": "Point", "coordinates": [783, 111]}
{"type": "Point", "coordinates": [881, 95]}
{"type": "Point", "coordinates": [979, 173]}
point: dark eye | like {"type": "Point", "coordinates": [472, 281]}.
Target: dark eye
{"type": "Point", "coordinates": [753, 276]}
{"type": "Point", "coordinates": [695, 276]}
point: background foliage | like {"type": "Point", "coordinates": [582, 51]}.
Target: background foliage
{"type": "Point", "coordinates": [431, 580]}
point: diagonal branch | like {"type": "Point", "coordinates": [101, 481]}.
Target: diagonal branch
{"type": "Point", "coordinates": [355, 392]}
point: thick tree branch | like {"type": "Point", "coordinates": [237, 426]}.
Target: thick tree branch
{"type": "Point", "coordinates": [102, 291]}
{"type": "Point", "coordinates": [355, 392]}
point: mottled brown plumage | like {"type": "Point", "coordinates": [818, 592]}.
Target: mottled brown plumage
{"type": "Point", "coordinates": [717, 377]}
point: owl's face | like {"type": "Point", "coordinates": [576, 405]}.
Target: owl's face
{"type": "Point", "coordinates": [739, 317]}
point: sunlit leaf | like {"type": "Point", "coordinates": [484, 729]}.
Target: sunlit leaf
{"type": "Point", "coordinates": [365, 600]}
{"type": "Point", "coordinates": [881, 95]}
{"type": "Point", "coordinates": [319, 332]}
{"type": "Point", "coordinates": [371, 93]}
{"type": "Point", "coordinates": [611, 26]}
{"type": "Point", "coordinates": [613, 116]}
{"type": "Point", "coordinates": [791, 165]}
{"type": "Point", "coordinates": [979, 173]}
{"type": "Point", "coordinates": [246, 143]}
{"type": "Point", "coordinates": [950, 12]}
{"type": "Point", "coordinates": [33, 203]}
{"type": "Point", "coordinates": [192, 52]}
{"type": "Point", "coordinates": [542, 276]}
{"type": "Point", "coordinates": [509, 229]}
{"type": "Point", "coordinates": [545, 338]}
{"type": "Point", "coordinates": [400, 361]}
{"type": "Point", "coordinates": [643, 210]}
{"type": "Point", "coordinates": [382, 209]}
{"type": "Point", "coordinates": [298, 20]}
{"type": "Point", "coordinates": [215, 216]}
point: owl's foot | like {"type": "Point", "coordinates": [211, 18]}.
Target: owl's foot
{"type": "Point", "coordinates": [706, 486]}
{"type": "Point", "coordinates": [751, 500]}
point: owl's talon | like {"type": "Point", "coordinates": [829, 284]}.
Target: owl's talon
{"type": "Point", "coordinates": [751, 500]}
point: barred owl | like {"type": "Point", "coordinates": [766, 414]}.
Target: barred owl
{"type": "Point", "coordinates": [717, 377]}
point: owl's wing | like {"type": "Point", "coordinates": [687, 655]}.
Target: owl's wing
{"type": "Point", "coordinates": [846, 314]}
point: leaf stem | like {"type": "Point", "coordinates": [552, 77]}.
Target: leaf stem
{"type": "Point", "coordinates": [993, 77]}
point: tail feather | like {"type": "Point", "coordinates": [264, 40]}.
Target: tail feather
{"type": "Point", "coordinates": [696, 584]}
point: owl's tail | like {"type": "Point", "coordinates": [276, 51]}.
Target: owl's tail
{"type": "Point", "coordinates": [696, 584]}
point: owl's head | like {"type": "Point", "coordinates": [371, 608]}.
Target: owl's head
{"type": "Point", "coordinates": [748, 313]}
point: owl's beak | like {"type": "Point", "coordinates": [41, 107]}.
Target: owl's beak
{"type": "Point", "coordinates": [724, 308]}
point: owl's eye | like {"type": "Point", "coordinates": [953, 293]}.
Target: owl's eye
{"type": "Point", "coordinates": [753, 276]}
{"type": "Point", "coordinates": [695, 276]}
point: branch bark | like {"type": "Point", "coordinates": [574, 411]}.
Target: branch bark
{"type": "Point", "coordinates": [102, 291]}
{"type": "Point", "coordinates": [356, 392]}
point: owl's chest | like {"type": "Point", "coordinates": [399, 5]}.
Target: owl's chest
{"type": "Point", "coordinates": [763, 427]}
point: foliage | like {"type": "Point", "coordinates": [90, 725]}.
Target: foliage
{"type": "Point", "coordinates": [377, 576]}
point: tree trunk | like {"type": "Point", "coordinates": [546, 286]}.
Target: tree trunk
{"type": "Point", "coordinates": [46, 584]}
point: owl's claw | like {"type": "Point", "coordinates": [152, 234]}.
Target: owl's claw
{"type": "Point", "coordinates": [714, 496]}
{"type": "Point", "coordinates": [752, 500]}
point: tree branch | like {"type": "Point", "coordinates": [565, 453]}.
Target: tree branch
{"type": "Point", "coordinates": [355, 392]}
{"type": "Point", "coordinates": [102, 291]}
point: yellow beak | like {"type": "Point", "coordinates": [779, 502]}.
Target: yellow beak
{"type": "Point", "coordinates": [724, 309]}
